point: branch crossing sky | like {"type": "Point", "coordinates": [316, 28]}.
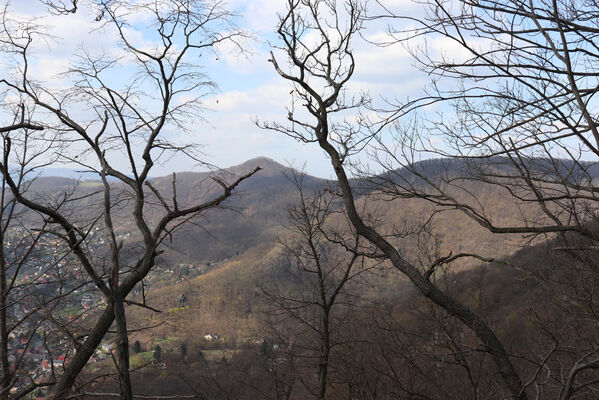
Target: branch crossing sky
{"type": "Point", "coordinates": [248, 87]}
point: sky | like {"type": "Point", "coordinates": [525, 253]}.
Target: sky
{"type": "Point", "coordinates": [247, 86]}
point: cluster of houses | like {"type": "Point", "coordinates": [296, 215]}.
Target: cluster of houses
{"type": "Point", "coordinates": [38, 305]}
{"type": "Point", "coordinates": [47, 274]}
{"type": "Point", "coordinates": [30, 356]}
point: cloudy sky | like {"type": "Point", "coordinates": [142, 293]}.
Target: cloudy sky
{"type": "Point", "coordinates": [248, 87]}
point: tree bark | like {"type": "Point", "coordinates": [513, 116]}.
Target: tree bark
{"type": "Point", "coordinates": [122, 349]}
{"type": "Point", "coordinates": [74, 367]}
{"type": "Point", "coordinates": [325, 350]}
{"type": "Point", "coordinates": [4, 363]}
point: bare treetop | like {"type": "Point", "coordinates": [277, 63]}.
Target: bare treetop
{"type": "Point", "coordinates": [317, 44]}
{"type": "Point", "coordinates": [117, 115]}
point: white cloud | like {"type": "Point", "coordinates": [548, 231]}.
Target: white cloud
{"type": "Point", "coordinates": [48, 70]}
{"type": "Point", "coordinates": [252, 87]}
{"type": "Point", "coordinates": [265, 97]}
{"type": "Point", "coordinates": [251, 59]}
{"type": "Point", "coordinates": [259, 15]}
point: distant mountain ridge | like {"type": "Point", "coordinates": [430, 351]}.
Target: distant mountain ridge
{"type": "Point", "coordinates": [245, 253]}
{"type": "Point", "coordinates": [272, 168]}
{"type": "Point", "coordinates": [77, 174]}
{"type": "Point", "coordinates": [258, 212]}
{"type": "Point", "coordinates": [240, 242]}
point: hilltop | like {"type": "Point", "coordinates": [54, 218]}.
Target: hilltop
{"type": "Point", "coordinates": [222, 260]}
{"type": "Point", "coordinates": [236, 250]}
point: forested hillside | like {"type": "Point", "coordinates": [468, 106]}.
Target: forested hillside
{"type": "Point", "coordinates": [439, 243]}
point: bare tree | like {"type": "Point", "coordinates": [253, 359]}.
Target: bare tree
{"type": "Point", "coordinates": [324, 265]}
{"type": "Point", "coordinates": [128, 121]}
{"type": "Point", "coordinates": [9, 269]}
{"type": "Point", "coordinates": [517, 112]}
{"type": "Point", "coordinates": [32, 285]}
{"type": "Point", "coordinates": [522, 92]}
{"type": "Point", "coordinates": [316, 39]}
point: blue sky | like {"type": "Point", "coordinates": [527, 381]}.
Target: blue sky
{"type": "Point", "coordinates": [248, 87]}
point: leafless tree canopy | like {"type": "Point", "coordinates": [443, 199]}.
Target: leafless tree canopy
{"type": "Point", "coordinates": [100, 119]}
{"type": "Point", "coordinates": [518, 90]}
{"type": "Point", "coordinates": [510, 107]}
{"type": "Point", "coordinates": [514, 96]}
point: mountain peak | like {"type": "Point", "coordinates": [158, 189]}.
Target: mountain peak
{"type": "Point", "coordinates": [263, 162]}
{"type": "Point", "coordinates": [269, 167]}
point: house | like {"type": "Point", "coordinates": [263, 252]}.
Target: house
{"type": "Point", "coordinates": [210, 337]}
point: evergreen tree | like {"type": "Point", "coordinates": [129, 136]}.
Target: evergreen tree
{"type": "Point", "coordinates": [183, 350]}
{"type": "Point", "coordinates": [157, 352]}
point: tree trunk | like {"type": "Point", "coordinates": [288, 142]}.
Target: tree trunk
{"type": "Point", "coordinates": [4, 363]}
{"type": "Point", "coordinates": [325, 351]}
{"type": "Point", "coordinates": [485, 334]}
{"type": "Point", "coordinates": [73, 368]}
{"type": "Point", "coordinates": [122, 350]}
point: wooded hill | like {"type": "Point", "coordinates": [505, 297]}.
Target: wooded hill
{"type": "Point", "coordinates": [227, 266]}
{"type": "Point", "coordinates": [223, 262]}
